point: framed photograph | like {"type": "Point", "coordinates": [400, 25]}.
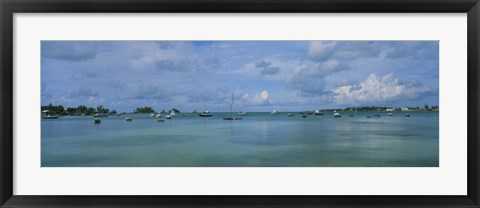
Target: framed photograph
{"type": "Point", "coordinates": [239, 104]}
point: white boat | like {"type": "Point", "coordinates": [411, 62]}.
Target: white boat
{"type": "Point", "coordinates": [274, 112]}
{"type": "Point", "coordinates": [47, 115]}
{"type": "Point", "coordinates": [152, 114]}
{"type": "Point", "coordinates": [159, 115]}
{"type": "Point", "coordinates": [390, 114]}
{"type": "Point", "coordinates": [242, 113]}
{"type": "Point", "coordinates": [168, 117]}
{"type": "Point", "coordinates": [318, 113]}
{"type": "Point", "coordinates": [50, 117]}
{"type": "Point", "coordinates": [205, 114]}
{"type": "Point", "coordinates": [128, 119]}
{"type": "Point", "coordinates": [96, 121]}
{"type": "Point", "coordinates": [172, 113]}
{"type": "Point", "coordinates": [336, 114]}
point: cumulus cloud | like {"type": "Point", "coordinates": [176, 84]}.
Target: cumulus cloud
{"type": "Point", "coordinates": [267, 68]}
{"type": "Point", "coordinates": [258, 99]}
{"type": "Point", "coordinates": [70, 51]}
{"type": "Point", "coordinates": [191, 74]}
{"type": "Point", "coordinates": [321, 50]}
{"type": "Point", "coordinates": [261, 98]}
{"type": "Point", "coordinates": [378, 90]}
{"type": "Point", "coordinates": [310, 80]}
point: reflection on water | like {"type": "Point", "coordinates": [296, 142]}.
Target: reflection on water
{"type": "Point", "coordinates": [258, 140]}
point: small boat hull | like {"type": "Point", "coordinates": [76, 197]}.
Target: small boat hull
{"type": "Point", "coordinates": [231, 118]}
{"type": "Point", "coordinates": [50, 117]}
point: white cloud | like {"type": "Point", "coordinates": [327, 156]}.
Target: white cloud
{"type": "Point", "coordinates": [378, 90]}
{"type": "Point", "coordinates": [320, 50]}
{"type": "Point", "coordinates": [261, 98]}
{"type": "Point", "coordinates": [310, 80]}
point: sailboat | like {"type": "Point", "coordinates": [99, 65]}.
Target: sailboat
{"type": "Point", "coordinates": [230, 118]}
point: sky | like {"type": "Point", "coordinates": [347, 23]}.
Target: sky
{"type": "Point", "coordinates": [262, 75]}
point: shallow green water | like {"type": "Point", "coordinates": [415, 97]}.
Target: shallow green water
{"type": "Point", "coordinates": [258, 140]}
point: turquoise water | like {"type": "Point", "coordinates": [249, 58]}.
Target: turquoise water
{"type": "Point", "coordinates": [258, 140]}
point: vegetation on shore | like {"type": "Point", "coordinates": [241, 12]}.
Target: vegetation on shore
{"type": "Point", "coordinates": [72, 111]}
{"type": "Point", "coordinates": [84, 110]}
{"type": "Point", "coordinates": [145, 109]}
{"type": "Point", "coordinates": [384, 108]}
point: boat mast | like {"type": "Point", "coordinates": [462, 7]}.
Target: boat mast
{"type": "Point", "coordinates": [231, 106]}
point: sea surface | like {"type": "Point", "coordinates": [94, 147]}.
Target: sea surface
{"type": "Point", "coordinates": [258, 140]}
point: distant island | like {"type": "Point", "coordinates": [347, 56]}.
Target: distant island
{"type": "Point", "coordinates": [84, 110]}
{"type": "Point", "coordinates": [384, 108]}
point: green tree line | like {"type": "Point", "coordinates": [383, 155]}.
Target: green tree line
{"type": "Point", "coordinates": [81, 109]}
{"type": "Point", "coordinates": [145, 109]}
{"type": "Point", "coordinates": [383, 108]}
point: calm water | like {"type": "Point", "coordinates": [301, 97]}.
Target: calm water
{"type": "Point", "coordinates": [258, 140]}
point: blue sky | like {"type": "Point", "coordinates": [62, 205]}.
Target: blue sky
{"type": "Point", "coordinates": [265, 75]}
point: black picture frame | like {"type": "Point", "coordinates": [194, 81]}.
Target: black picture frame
{"type": "Point", "coordinates": [9, 7]}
